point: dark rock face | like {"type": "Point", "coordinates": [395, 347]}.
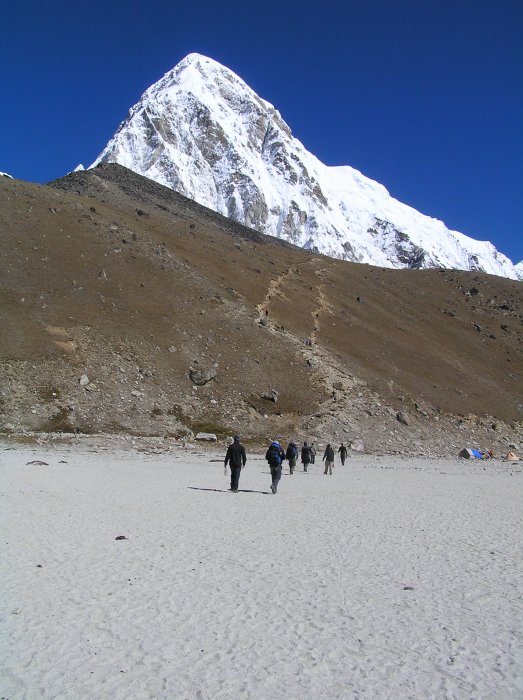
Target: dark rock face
{"type": "Point", "coordinates": [399, 247]}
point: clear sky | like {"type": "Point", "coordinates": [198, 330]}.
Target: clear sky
{"type": "Point", "coordinates": [424, 96]}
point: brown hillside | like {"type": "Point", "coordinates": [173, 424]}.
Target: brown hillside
{"type": "Point", "coordinates": [108, 274]}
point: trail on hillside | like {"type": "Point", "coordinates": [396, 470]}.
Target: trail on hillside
{"type": "Point", "coordinates": [326, 370]}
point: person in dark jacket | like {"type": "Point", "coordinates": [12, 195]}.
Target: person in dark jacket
{"type": "Point", "coordinates": [275, 456]}
{"type": "Point", "coordinates": [342, 450]}
{"type": "Point", "coordinates": [305, 456]}
{"type": "Point", "coordinates": [328, 457]}
{"type": "Point", "coordinates": [291, 455]}
{"type": "Point", "coordinates": [236, 459]}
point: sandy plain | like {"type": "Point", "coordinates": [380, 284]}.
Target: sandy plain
{"type": "Point", "coordinates": [392, 578]}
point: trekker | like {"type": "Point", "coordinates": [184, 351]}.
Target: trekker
{"type": "Point", "coordinates": [305, 456]}
{"type": "Point", "coordinates": [236, 459]}
{"type": "Point", "coordinates": [312, 452]}
{"type": "Point", "coordinates": [329, 459]}
{"type": "Point", "coordinates": [275, 456]}
{"type": "Point", "coordinates": [291, 455]}
{"type": "Point", "coordinates": [343, 453]}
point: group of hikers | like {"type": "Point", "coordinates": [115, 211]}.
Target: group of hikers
{"type": "Point", "coordinates": [236, 458]}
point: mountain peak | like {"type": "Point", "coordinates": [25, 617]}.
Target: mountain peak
{"type": "Point", "coordinates": [202, 131]}
{"type": "Point", "coordinates": [195, 63]}
{"type": "Point", "coordinates": [194, 59]}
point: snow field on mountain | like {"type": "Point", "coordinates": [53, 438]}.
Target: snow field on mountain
{"type": "Point", "coordinates": [390, 578]}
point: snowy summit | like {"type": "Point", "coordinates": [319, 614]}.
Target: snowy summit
{"type": "Point", "coordinates": [202, 131]}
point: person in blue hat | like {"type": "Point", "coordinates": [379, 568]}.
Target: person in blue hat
{"type": "Point", "coordinates": [275, 456]}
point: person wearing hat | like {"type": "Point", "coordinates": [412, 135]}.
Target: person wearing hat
{"type": "Point", "coordinates": [291, 455]}
{"type": "Point", "coordinates": [305, 456]}
{"type": "Point", "coordinates": [328, 458]}
{"type": "Point", "coordinates": [236, 459]}
{"type": "Point", "coordinates": [343, 453]}
{"type": "Point", "coordinates": [275, 456]}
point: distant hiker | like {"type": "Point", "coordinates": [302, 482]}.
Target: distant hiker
{"type": "Point", "coordinates": [236, 459]}
{"type": "Point", "coordinates": [312, 452]}
{"type": "Point", "coordinates": [343, 453]}
{"type": "Point", "coordinates": [305, 456]}
{"type": "Point", "coordinates": [329, 459]}
{"type": "Point", "coordinates": [292, 455]}
{"type": "Point", "coordinates": [275, 456]}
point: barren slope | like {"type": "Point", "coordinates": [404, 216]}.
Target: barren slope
{"type": "Point", "coordinates": [113, 276]}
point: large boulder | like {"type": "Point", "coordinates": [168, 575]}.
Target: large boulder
{"type": "Point", "coordinates": [209, 437]}
{"type": "Point", "coordinates": [201, 376]}
{"type": "Point", "coordinates": [403, 418]}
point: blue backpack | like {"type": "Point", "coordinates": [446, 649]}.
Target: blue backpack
{"type": "Point", "coordinates": [273, 455]}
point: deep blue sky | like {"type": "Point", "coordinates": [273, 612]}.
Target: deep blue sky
{"type": "Point", "coordinates": [424, 96]}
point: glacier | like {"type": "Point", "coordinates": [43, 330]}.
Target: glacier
{"type": "Point", "coordinates": [202, 131]}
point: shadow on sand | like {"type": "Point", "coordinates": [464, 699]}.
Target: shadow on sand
{"type": "Point", "coordinates": [197, 488]}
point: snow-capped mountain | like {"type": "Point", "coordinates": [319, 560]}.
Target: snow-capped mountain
{"type": "Point", "coordinates": [203, 132]}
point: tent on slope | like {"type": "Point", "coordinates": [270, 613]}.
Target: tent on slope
{"type": "Point", "coordinates": [469, 453]}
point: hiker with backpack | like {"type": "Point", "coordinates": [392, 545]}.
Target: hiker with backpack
{"type": "Point", "coordinates": [343, 453]}
{"type": "Point", "coordinates": [312, 452]}
{"type": "Point", "coordinates": [305, 456]}
{"type": "Point", "coordinates": [328, 457]}
{"type": "Point", "coordinates": [236, 459]}
{"type": "Point", "coordinates": [275, 456]}
{"type": "Point", "coordinates": [291, 455]}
